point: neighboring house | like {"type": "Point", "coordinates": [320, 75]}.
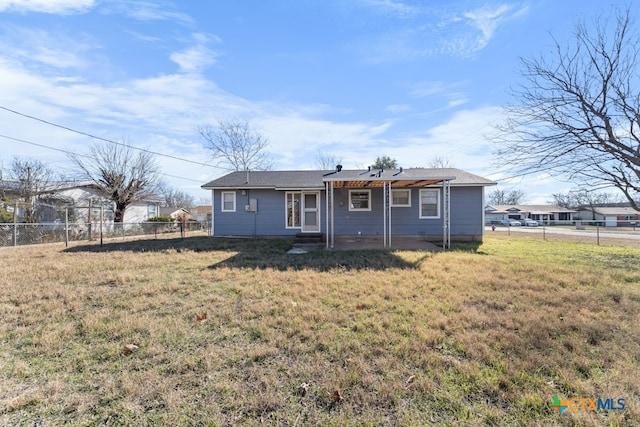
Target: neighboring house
{"type": "Point", "coordinates": [621, 215]}
{"type": "Point", "coordinates": [202, 214]}
{"type": "Point", "coordinates": [177, 214]}
{"type": "Point", "coordinates": [84, 202]}
{"type": "Point", "coordinates": [436, 204]}
{"type": "Point", "coordinates": [544, 214]}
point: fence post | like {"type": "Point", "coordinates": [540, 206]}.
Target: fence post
{"type": "Point", "coordinates": [101, 222]}
{"type": "Point", "coordinates": [66, 227]}
{"type": "Point", "coordinates": [598, 234]}
{"type": "Point", "coordinates": [89, 219]}
{"type": "Point", "coordinates": [15, 224]}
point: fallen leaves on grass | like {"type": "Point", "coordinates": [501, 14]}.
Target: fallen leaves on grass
{"type": "Point", "coordinates": [303, 389]}
{"type": "Point", "coordinates": [129, 349]}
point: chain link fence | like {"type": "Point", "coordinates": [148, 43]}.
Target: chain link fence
{"type": "Point", "coordinates": [592, 232]}
{"type": "Point", "coordinates": [20, 234]}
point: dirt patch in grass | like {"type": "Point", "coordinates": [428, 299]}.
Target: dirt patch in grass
{"type": "Point", "coordinates": [236, 332]}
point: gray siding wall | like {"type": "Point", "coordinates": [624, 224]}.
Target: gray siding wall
{"type": "Point", "coordinates": [269, 220]}
{"type": "Point", "coordinates": [466, 215]}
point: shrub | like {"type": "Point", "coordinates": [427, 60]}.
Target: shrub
{"type": "Point", "coordinates": [161, 218]}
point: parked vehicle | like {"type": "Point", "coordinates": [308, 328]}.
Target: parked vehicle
{"type": "Point", "coordinates": [511, 222]}
{"type": "Point", "coordinates": [530, 223]}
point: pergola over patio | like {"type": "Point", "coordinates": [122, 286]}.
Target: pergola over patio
{"type": "Point", "coordinates": [387, 180]}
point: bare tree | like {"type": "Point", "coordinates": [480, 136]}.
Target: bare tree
{"type": "Point", "coordinates": [326, 161]}
{"type": "Point", "coordinates": [503, 197]}
{"type": "Point", "coordinates": [440, 162]}
{"type": "Point", "coordinates": [582, 197]}
{"type": "Point", "coordinates": [385, 162]}
{"type": "Point", "coordinates": [30, 180]}
{"type": "Point", "coordinates": [123, 174]}
{"type": "Point", "coordinates": [173, 198]}
{"type": "Point", "coordinates": [578, 114]}
{"type": "Point", "coordinates": [235, 144]}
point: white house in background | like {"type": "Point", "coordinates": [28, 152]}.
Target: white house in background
{"type": "Point", "coordinates": [202, 214]}
{"type": "Point", "coordinates": [177, 214]}
{"type": "Point", "coordinates": [619, 215]}
{"type": "Point", "coordinates": [85, 204]}
{"type": "Point", "coordinates": [542, 213]}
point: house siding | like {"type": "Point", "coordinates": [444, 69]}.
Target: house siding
{"type": "Point", "coordinates": [269, 220]}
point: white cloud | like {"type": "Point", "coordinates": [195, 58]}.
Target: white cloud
{"type": "Point", "coordinates": [292, 134]}
{"type": "Point", "coordinates": [398, 108]}
{"type": "Point", "coordinates": [488, 19]}
{"type": "Point", "coordinates": [146, 10]}
{"type": "Point", "coordinates": [439, 31]}
{"type": "Point", "coordinates": [35, 47]}
{"type": "Point", "coordinates": [56, 7]}
{"type": "Point", "coordinates": [393, 7]}
{"type": "Point", "coordinates": [197, 57]}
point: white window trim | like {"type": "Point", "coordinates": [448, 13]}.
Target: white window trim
{"type": "Point", "coordinates": [431, 190]}
{"type": "Point", "coordinates": [286, 208]}
{"type": "Point", "coordinates": [352, 209]}
{"type": "Point", "coordinates": [222, 194]}
{"type": "Point", "coordinates": [394, 205]}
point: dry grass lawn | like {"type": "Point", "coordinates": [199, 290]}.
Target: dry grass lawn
{"type": "Point", "coordinates": [205, 331]}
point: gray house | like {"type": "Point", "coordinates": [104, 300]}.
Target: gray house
{"type": "Point", "coordinates": [435, 204]}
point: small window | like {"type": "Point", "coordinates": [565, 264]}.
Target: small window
{"type": "Point", "coordinates": [152, 211]}
{"type": "Point", "coordinates": [359, 200]}
{"type": "Point", "coordinates": [400, 198]}
{"type": "Point", "coordinates": [293, 210]}
{"type": "Point", "coordinates": [430, 203]}
{"type": "Point", "coordinates": [228, 201]}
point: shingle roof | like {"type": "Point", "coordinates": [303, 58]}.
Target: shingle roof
{"type": "Point", "coordinates": [613, 210]}
{"type": "Point", "coordinates": [316, 178]}
{"type": "Point", "coordinates": [537, 209]}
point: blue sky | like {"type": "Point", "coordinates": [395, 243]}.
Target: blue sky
{"type": "Point", "coordinates": [355, 79]}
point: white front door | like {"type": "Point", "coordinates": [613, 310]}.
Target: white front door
{"type": "Point", "coordinates": [310, 212]}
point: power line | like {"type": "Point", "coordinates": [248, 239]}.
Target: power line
{"type": "Point", "coordinates": [84, 155]}
{"type": "Point", "coordinates": [102, 139]}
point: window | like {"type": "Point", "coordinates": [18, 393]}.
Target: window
{"type": "Point", "coordinates": [359, 200]}
{"type": "Point", "coordinates": [152, 211]}
{"type": "Point", "coordinates": [401, 198]}
{"type": "Point", "coordinates": [228, 201]}
{"type": "Point", "coordinates": [430, 203]}
{"type": "Point", "coordinates": [293, 210]}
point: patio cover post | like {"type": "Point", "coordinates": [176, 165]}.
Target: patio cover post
{"type": "Point", "coordinates": [384, 214]}
{"type": "Point", "coordinates": [333, 218]}
{"type": "Point", "coordinates": [446, 217]}
{"type": "Point", "coordinates": [326, 211]}
{"type": "Point", "coordinates": [390, 203]}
